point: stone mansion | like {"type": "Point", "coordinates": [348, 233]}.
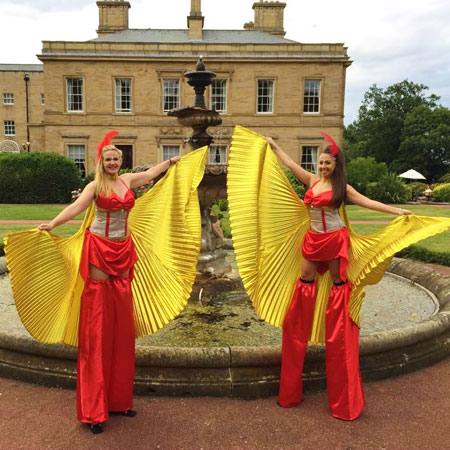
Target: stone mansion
{"type": "Point", "coordinates": [128, 79]}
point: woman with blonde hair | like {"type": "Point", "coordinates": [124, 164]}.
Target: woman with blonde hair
{"type": "Point", "coordinates": [109, 317]}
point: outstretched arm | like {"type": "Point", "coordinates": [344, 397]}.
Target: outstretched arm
{"type": "Point", "coordinates": [141, 178]}
{"type": "Point", "coordinates": [71, 211]}
{"type": "Point", "coordinates": [303, 175]}
{"type": "Point", "coordinates": [360, 200]}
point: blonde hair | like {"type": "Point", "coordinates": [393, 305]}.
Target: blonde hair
{"type": "Point", "coordinates": [103, 184]}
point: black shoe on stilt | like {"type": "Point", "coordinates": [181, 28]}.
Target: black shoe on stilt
{"type": "Point", "coordinates": [127, 413]}
{"type": "Point", "coordinates": [96, 428]}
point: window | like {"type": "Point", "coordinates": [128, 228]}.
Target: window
{"type": "Point", "coordinates": [265, 96]}
{"type": "Point", "coordinates": [171, 95]}
{"type": "Point", "coordinates": [8, 98]}
{"type": "Point", "coordinates": [170, 151]}
{"type": "Point", "coordinates": [218, 154]}
{"type": "Point", "coordinates": [309, 157]}
{"type": "Point", "coordinates": [311, 96]}
{"type": "Point", "coordinates": [74, 94]}
{"type": "Point", "coordinates": [219, 96]}
{"type": "Point", "coordinates": [123, 95]}
{"type": "Point", "coordinates": [78, 154]}
{"type": "Point", "coordinates": [9, 128]}
{"type": "Point", "coordinates": [42, 99]}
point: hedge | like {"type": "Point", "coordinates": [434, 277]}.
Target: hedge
{"type": "Point", "coordinates": [37, 178]}
{"type": "Point", "coordinates": [441, 193]}
{"type": "Point", "coordinates": [422, 254]}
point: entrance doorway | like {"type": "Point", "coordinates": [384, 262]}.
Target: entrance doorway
{"type": "Point", "coordinates": [127, 156]}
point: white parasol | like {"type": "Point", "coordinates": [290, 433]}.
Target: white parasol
{"type": "Point", "coordinates": [412, 174]}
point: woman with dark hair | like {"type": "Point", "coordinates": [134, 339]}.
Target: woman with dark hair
{"type": "Point", "coordinates": [303, 266]}
{"type": "Point", "coordinates": [325, 247]}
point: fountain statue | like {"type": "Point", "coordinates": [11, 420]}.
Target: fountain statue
{"type": "Point", "coordinates": [214, 273]}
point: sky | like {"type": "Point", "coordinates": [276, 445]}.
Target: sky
{"type": "Point", "coordinates": [388, 40]}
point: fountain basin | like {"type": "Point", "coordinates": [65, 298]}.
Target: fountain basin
{"type": "Point", "coordinates": [225, 350]}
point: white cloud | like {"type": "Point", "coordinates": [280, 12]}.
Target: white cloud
{"type": "Point", "coordinates": [387, 40]}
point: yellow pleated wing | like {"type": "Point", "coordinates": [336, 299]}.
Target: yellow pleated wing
{"type": "Point", "coordinates": [268, 222]}
{"type": "Point", "coordinates": [369, 256]}
{"type": "Point", "coordinates": [44, 272]}
{"type": "Point", "coordinates": [166, 229]}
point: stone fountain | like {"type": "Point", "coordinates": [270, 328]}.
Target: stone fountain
{"type": "Point", "coordinates": [214, 272]}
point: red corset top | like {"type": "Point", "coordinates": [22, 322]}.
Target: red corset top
{"type": "Point", "coordinates": [114, 202]}
{"type": "Point", "coordinates": [111, 215]}
{"type": "Point", "coordinates": [321, 200]}
{"type": "Point", "coordinates": [323, 217]}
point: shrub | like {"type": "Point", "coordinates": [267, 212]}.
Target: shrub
{"type": "Point", "coordinates": [445, 178]}
{"type": "Point", "coordinates": [220, 210]}
{"type": "Point", "coordinates": [441, 193]}
{"type": "Point", "coordinates": [298, 186]}
{"type": "Point", "coordinates": [422, 254]}
{"type": "Point", "coordinates": [223, 204]}
{"type": "Point", "coordinates": [37, 178]}
{"type": "Point", "coordinates": [389, 189]}
{"type": "Point", "coordinates": [85, 181]}
{"type": "Point", "coordinates": [216, 210]}
{"type": "Point", "coordinates": [362, 171]}
{"type": "Point", "coordinates": [225, 225]}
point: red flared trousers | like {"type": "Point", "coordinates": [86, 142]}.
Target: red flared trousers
{"type": "Point", "coordinates": [106, 349]}
{"type": "Point", "coordinates": [345, 392]}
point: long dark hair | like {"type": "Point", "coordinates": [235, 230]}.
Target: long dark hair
{"type": "Point", "coordinates": [338, 179]}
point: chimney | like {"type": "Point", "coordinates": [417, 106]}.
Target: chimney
{"type": "Point", "coordinates": [268, 17]}
{"type": "Point", "coordinates": [195, 20]}
{"type": "Point", "coordinates": [113, 16]}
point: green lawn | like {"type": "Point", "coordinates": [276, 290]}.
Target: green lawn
{"type": "Point", "coordinates": [63, 230]}
{"type": "Point", "coordinates": [358, 213]}
{"type": "Point", "coordinates": [31, 212]}
{"type": "Point", "coordinates": [437, 243]}
{"type": "Point", "coordinates": [440, 242]}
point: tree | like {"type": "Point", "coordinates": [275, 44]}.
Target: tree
{"type": "Point", "coordinates": [362, 171]}
{"type": "Point", "coordinates": [425, 142]}
{"type": "Point", "coordinates": [378, 129]}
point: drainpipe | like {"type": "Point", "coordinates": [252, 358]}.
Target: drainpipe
{"type": "Point", "coordinates": [27, 79]}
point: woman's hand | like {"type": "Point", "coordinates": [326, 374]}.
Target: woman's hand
{"type": "Point", "coordinates": [404, 212]}
{"type": "Point", "coordinates": [45, 227]}
{"type": "Point", "coordinates": [174, 160]}
{"type": "Point", "coordinates": [272, 143]}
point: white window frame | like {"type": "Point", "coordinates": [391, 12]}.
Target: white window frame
{"type": "Point", "coordinates": [8, 98]}
{"type": "Point", "coordinates": [309, 107]}
{"type": "Point", "coordinates": [218, 95]}
{"type": "Point", "coordinates": [213, 152]}
{"type": "Point", "coordinates": [168, 91]}
{"type": "Point", "coordinates": [70, 94]}
{"type": "Point", "coordinates": [79, 157]}
{"type": "Point", "coordinates": [9, 128]}
{"type": "Point", "coordinates": [121, 86]}
{"type": "Point", "coordinates": [170, 150]}
{"type": "Point", "coordinates": [310, 158]}
{"type": "Point", "coordinates": [271, 95]}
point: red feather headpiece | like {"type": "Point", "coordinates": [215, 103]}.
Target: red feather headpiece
{"type": "Point", "coordinates": [334, 146]}
{"type": "Point", "coordinates": [107, 139]}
